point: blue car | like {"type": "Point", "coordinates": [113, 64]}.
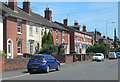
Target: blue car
{"type": "Point", "coordinates": [42, 62]}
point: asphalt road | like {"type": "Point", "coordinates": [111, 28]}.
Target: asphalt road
{"type": "Point", "coordinates": [87, 70]}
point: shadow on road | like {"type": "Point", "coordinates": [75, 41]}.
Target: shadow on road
{"type": "Point", "coordinates": [41, 72]}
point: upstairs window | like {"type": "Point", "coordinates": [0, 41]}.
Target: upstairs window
{"type": "Point", "coordinates": [56, 34]}
{"type": "Point", "coordinates": [37, 30]}
{"type": "Point", "coordinates": [19, 26]}
{"type": "Point", "coordinates": [31, 31]}
{"type": "Point", "coordinates": [63, 34]}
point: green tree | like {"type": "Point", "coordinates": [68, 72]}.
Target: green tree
{"type": "Point", "coordinates": [115, 39]}
{"type": "Point", "coordinates": [98, 48]}
{"type": "Point", "coordinates": [50, 38]}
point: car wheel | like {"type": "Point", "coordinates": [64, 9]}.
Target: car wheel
{"type": "Point", "coordinates": [58, 68]}
{"type": "Point", "coordinates": [31, 72]}
{"type": "Point", "coordinates": [48, 69]}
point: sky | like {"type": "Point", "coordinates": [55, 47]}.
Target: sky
{"type": "Point", "coordinates": [97, 15]}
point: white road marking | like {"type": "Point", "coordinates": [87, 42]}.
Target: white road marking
{"type": "Point", "coordinates": [14, 77]}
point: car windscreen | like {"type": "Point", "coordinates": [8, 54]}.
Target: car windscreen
{"type": "Point", "coordinates": [36, 58]}
{"type": "Point", "coordinates": [118, 53]}
{"type": "Point", "coordinates": [97, 54]}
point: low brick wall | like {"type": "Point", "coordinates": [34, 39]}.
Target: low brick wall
{"type": "Point", "coordinates": [64, 58]}
{"type": "Point", "coordinates": [1, 63]}
{"type": "Point", "coordinates": [13, 64]}
{"type": "Point", "coordinates": [68, 58]}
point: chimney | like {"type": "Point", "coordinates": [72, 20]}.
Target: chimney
{"type": "Point", "coordinates": [65, 21]}
{"type": "Point", "coordinates": [12, 4]}
{"type": "Point", "coordinates": [76, 23]}
{"type": "Point", "coordinates": [26, 6]}
{"type": "Point", "coordinates": [95, 35]}
{"type": "Point", "coordinates": [84, 29]}
{"type": "Point", "coordinates": [48, 14]}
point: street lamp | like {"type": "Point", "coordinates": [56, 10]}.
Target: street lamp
{"type": "Point", "coordinates": [106, 33]}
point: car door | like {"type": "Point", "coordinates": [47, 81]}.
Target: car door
{"type": "Point", "coordinates": [54, 62]}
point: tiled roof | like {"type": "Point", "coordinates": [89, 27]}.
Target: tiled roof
{"type": "Point", "coordinates": [33, 17]}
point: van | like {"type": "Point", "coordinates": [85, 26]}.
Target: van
{"type": "Point", "coordinates": [112, 55]}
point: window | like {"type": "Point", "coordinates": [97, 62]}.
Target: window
{"type": "Point", "coordinates": [31, 30]}
{"type": "Point", "coordinates": [9, 47]}
{"type": "Point", "coordinates": [37, 30]}
{"type": "Point", "coordinates": [63, 34]}
{"type": "Point", "coordinates": [31, 47]}
{"type": "Point", "coordinates": [19, 26]}
{"type": "Point", "coordinates": [19, 47]}
{"type": "Point", "coordinates": [56, 34]}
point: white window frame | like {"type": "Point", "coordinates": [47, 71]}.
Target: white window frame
{"type": "Point", "coordinates": [31, 49]}
{"type": "Point", "coordinates": [37, 30]}
{"type": "Point", "coordinates": [19, 47]}
{"type": "Point", "coordinates": [57, 33]}
{"type": "Point", "coordinates": [19, 26]}
{"type": "Point", "coordinates": [31, 31]}
{"type": "Point", "coordinates": [63, 35]}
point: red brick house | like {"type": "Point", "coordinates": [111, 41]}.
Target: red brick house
{"type": "Point", "coordinates": [60, 33]}
{"type": "Point", "coordinates": [14, 28]}
{"type": "Point", "coordinates": [79, 40]}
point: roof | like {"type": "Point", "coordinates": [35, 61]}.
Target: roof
{"type": "Point", "coordinates": [33, 17]}
{"type": "Point", "coordinates": [71, 27]}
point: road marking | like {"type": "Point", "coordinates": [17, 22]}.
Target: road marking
{"type": "Point", "coordinates": [14, 77]}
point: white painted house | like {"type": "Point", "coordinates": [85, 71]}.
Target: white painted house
{"type": "Point", "coordinates": [1, 33]}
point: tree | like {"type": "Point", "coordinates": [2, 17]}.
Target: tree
{"type": "Point", "coordinates": [115, 39]}
{"type": "Point", "coordinates": [98, 48]}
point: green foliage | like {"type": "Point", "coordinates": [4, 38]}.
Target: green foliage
{"type": "Point", "coordinates": [99, 48]}
{"type": "Point", "coordinates": [2, 53]}
{"type": "Point", "coordinates": [47, 39]}
{"type": "Point", "coordinates": [118, 50]}
{"type": "Point", "coordinates": [61, 49]}
{"type": "Point", "coordinates": [48, 46]}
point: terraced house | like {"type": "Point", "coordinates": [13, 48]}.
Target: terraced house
{"type": "Point", "coordinates": [24, 29]}
{"type": "Point", "coordinates": [14, 30]}
{"type": "Point", "coordinates": [79, 40]}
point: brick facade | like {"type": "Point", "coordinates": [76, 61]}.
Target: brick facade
{"type": "Point", "coordinates": [10, 33]}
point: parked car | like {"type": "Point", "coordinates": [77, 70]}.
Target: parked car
{"type": "Point", "coordinates": [112, 55]}
{"type": "Point", "coordinates": [42, 62]}
{"type": "Point", "coordinates": [98, 57]}
{"type": "Point", "coordinates": [118, 54]}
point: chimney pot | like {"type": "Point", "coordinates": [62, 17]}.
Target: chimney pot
{"type": "Point", "coordinates": [65, 21]}
{"type": "Point", "coordinates": [84, 29]}
{"type": "Point", "coordinates": [76, 23]}
{"type": "Point", "coordinates": [48, 14]}
{"type": "Point", "coordinates": [26, 6]}
{"type": "Point", "coordinates": [12, 4]}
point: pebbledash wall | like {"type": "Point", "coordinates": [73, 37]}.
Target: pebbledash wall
{"type": "Point", "coordinates": [1, 33]}
{"type": "Point", "coordinates": [34, 38]}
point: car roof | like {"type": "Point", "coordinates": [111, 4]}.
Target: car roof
{"type": "Point", "coordinates": [42, 54]}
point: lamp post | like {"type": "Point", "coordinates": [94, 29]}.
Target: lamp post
{"type": "Point", "coordinates": [106, 34]}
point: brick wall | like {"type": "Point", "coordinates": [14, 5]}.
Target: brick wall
{"type": "Point", "coordinates": [64, 58]}
{"type": "Point", "coordinates": [13, 64]}
{"type": "Point", "coordinates": [10, 29]}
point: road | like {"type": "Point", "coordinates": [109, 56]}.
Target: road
{"type": "Point", "coordinates": [87, 70]}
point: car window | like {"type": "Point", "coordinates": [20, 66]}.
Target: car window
{"type": "Point", "coordinates": [37, 58]}
{"type": "Point", "coordinates": [98, 55]}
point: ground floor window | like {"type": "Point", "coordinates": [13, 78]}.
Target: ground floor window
{"type": "Point", "coordinates": [31, 47]}
{"type": "Point", "coordinates": [19, 47]}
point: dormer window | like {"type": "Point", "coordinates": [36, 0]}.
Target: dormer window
{"type": "Point", "coordinates": [19, 26]}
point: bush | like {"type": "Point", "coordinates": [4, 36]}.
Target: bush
{"type": "Point", "coordinates": [2, 53]}
{"type": "Point", "coordinates": [27, 55]}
